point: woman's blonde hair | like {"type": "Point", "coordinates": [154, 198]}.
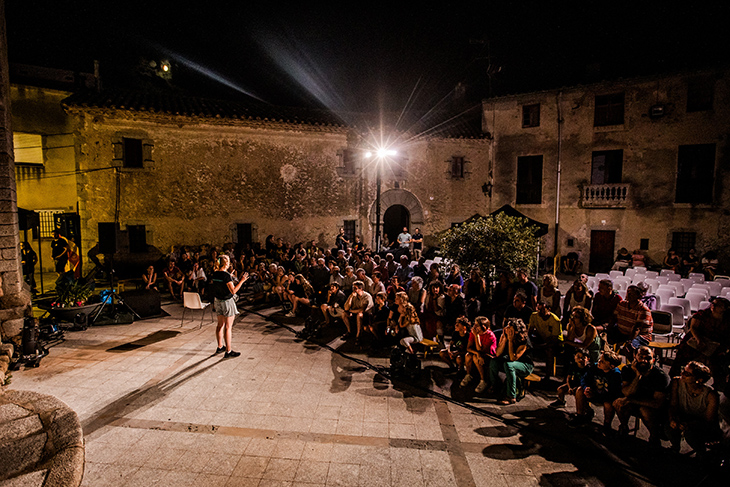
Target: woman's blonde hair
{"type": "Point", "coordinates": [222, 262]}
{"type": "Point", "coordinates": [410, 316]}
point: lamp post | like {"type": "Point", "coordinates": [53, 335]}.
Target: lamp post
{"type": "Point", "coordinates": [379, 156]}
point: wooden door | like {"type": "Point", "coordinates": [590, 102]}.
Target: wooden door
{"type": "Point", "coordinates": [602, 244]}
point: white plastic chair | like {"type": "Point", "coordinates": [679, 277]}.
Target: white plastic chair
{"type": "Point", "coordinates": [638, 278]}
{"type": "Point", "coordinates": [725, 292]}
{"type": "Point", "coordinates": [640, 269]}
{"type": "Point", "coordinates": [192, 301]}
{"type": "Point", "coordinates": [684, 303]}
{"type": "Point", "coordinates": [666, 272]}
{"type": "Point", "coordinates": [697, 277]}
{"type": "Point", "coordinates": [621, 284]}
{"type": "Point", "coordinates": [652, 283]}
{"type": "Point", "coordinates": [651, 274]}
{"type": "Point", "coordinates": [602, 275]}
{"type": "Point", "coordinates": [699, 291]}
{"type": "Point", "coordinates": [704, 305]}
{"type": "Point", "coordinates": [630, 273]}
{"type": "Point", "coordinates": [724, 280]}
{"type": "Point", "coordinates": [687, 283]}
{"type": "Point", "coordinates": [704, 286]}
{"type": "Point", "coordinates": [592, 283]}
{"type": "Point", "coordinates": [694, 299]}
{"type": "Point", "coordinates": [677, 314]}
{"type": "Point", "coordinates": [615, 274]}
{"type": "Point", "coordinates": [665, 294]}
{"type": "Point", "coordinates": [715, 287]}
{"type": "Point", "coordinates": [678, 287]}
{"type": "Point", "coordinates": [663, 279]}
{"type": "Point", "coordinates": [674, 277]}
{"type": "Point", "coordinates": [662, 323]}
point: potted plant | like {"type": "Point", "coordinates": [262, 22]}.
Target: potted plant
{"type": "Point", "coordinates": [73, 296]}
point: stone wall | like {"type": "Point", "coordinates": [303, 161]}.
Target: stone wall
{"type": "Point", "coordinates": [14, 299]}
{"type": "Point", "coordinates": [205, 176]}
{"type": "Point", "coordinates": [650, 148]}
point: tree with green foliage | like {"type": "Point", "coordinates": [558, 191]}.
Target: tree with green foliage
{"type": "Point", "coordinates": [495, 241]}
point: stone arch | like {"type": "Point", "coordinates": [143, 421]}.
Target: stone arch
{"type": "Point", "coordinates": [399, 197]}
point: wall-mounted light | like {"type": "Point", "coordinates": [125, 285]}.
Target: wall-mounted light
{"type": "Point", "coordinates": [487, 189]}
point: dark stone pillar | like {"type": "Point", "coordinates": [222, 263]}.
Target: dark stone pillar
{"type": "Point", "coordinates": [14, 299]}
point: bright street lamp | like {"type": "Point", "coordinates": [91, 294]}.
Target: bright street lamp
{"type": "Point", "coordinates": [380, 155]}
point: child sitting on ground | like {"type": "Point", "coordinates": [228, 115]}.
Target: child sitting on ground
{"type": "Point", "coordinates": [573, 378]}
{"type": "Point", "coordinates": [601, 385]}
{"type": "Point", "coordinates": [455, 354]}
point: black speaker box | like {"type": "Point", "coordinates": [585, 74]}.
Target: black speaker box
{"type": "Point", "coordinates": [144, 302]}
{"type": "Point", "coordinates": [108, 238]}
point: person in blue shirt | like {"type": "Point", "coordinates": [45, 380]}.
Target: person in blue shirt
{"type": "Point", "coordinates": [601, 385]}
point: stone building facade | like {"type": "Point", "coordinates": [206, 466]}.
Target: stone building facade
{"type": "Point", "coordinates": [206, 173]}
{"type": "Point", "coordinates": [643, 164]}
{"type": "Point", "coordinates": [640, 163]}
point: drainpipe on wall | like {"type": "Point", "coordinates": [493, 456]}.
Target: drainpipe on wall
{"type": "Point", "coordinates": [557, 185]}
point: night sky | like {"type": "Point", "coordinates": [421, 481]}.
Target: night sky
{"type": "Point", "coordinates": [360, 56]}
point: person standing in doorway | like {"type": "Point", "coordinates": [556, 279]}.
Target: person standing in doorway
{"type": "Point", "coordinates": [404, 241]}
{"type": "Point", "coordinates": [221, 285]}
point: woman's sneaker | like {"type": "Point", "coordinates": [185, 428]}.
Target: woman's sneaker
{"type": "Point", "coordinates": [232, 354]}
{"type": "Point", "coordinates": [481, 387]}
{"type": "Point", "coordinates": [465, 381]}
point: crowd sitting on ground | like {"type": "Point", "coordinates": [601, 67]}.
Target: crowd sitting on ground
{"type": "Point", "coordinates": [490, 332]}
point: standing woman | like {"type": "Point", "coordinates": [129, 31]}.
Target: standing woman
{"type": "Point", "coordinates": [221, 285]}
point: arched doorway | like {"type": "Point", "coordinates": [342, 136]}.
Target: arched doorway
{"type": "Point", "coordinates": [396, 217]}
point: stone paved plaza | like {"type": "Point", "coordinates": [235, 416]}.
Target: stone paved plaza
{"type": "Point", "coordinates": [158, 408]}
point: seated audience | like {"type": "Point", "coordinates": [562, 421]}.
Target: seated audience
{"type": "Point", "coordinates": [300, 293]}
{"type": "Point", "coordinates": [433, 311]}
{"type": "Point", "coordinates": [409, 322]}
{"type": "Point", "coordinates": [175, 279]}
{"type": "Point", "coordinates": [623, 260]}
{"type": "Point", "coordinates": [455, 353]}
{"type": "Point", "coordinates": [550, 294]}
{"type": "Point", "coordinates": [475, 290]}
{"type": "Point", "coordinates": [150, 278]}
{"type": "Point", "coordinates": [576, 371]}
{"type": "Point", "coordinates": [582, 334]}
{"type": "Point", "coordinates": [601, 385]}
{"type": "Point", "coordinates": [522, 283]}
{"type": "Point", "coordinates": [672, 261]}
{"type": "Point", "coordinates": [518, 309]}
{"type": "Point", "coordinates": [378, 321]}
{"type": "Point", "coordinates": [333, 303]}
{"type": "Point", "coordinates": [604, 305]}
{"type": "Point", "coordinates": [356, 307]}
{"type": "Point", "coordinates": [546, 334]}
{"type": "Point", "coordinates": [417, 294]}
{"type": "Point", "coordinates": [644, 391]}
{"type": "Point", "coordinates": [634, 324]}
{"type": "Point", "coordinates": [480, 350]}
{"type": "Point", "coordinates": [577, 295]}
{"type": "Point", "coordinates": [513, 357]}
{"type": "Point", "coordinates": [693, 409]}
{"type": "Point", "coordinates": [454, 308]}
{"type": "Point", "coordinates": [708, 341]}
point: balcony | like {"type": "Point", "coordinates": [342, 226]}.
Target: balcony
{"type": "Point", "coordinates": [605, 195]}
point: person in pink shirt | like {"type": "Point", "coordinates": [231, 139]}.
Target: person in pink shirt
{"type": "Point", "coordinates": [479, 351]}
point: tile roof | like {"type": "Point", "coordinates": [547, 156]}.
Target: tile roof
{"type": "Point", "coordinates": [466, 125]}
{"type": "Point", "coordinates": [174, 104]}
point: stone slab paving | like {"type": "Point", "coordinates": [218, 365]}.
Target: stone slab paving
{"type": "Point", "coordinates": [158, 408]}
